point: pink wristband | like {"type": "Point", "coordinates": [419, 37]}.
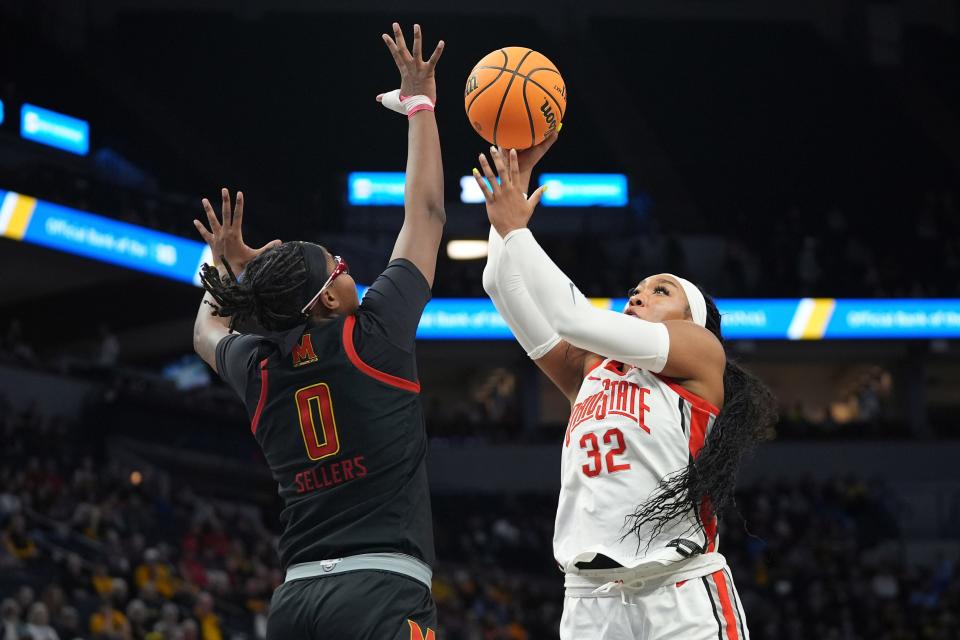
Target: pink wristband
{"type": "Point", "coordinates": [414, 104]}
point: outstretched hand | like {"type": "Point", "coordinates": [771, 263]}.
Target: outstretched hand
{"type": "Point", "coordinates": [226, 239]}
{"type": "Point", "coordinates": [507, 206]}
{"type": "Point", "coordinates": [416, 76]}
{"type": "Point", "coordinates": [528, 158]}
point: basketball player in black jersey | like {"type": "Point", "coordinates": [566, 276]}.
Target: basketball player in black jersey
{"type": "Point", "coordinates": [330, 384]}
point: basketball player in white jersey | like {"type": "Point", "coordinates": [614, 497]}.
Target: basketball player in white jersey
{"type": "Point", "coordinates": [659, 419]}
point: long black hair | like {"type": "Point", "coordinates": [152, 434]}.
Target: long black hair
{"type": "Point", "coordinates": [707, 484]}
{"type": "Point", "coordinates": [271, 291]}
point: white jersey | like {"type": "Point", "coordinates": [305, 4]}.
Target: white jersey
{"type": "Point", "coordinates": [627, 431]}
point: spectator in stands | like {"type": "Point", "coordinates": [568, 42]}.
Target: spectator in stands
{"type": "Point", "coordinates": [109, 624]}
{"type": "Point", "coordinates": [156, 571]}
{"type": "Point", "coordinates": [38, 623]}
{"type": "Point", "coordinates": [55, 600]}
{"type": "Point", "coordinates": [150, 598]}
{"type": "Point", "coordinates": [138, 616]}
{"type": "Point", "coordinates": [25, 597]}
{"type": "Point", "coordinates": [73, 577]}
{"type": "Point", "coordinates": [208, 620]}
{"type": "Point", "coordinates": [11, 628]}
{"type": "Point", "coordinates": [169, 624]}
{"type": "Point", "coordinates": [101, 580]}
{"type": "Point", "coordinates": [17, 541]}
{"type": "Point", "coordinates": [68, 625]}
{"type": "Point", "coordinates": [188, 630]}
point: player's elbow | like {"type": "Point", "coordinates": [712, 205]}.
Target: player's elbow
{"type": "Point", "coordinates": [490, 280]}
{"type": "Point", "coordinates": [438, 213]}
{"type": "Point", "coordinates": [197, 338]}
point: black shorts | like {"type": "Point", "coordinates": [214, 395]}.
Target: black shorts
{"type": "Point", "coordinates": [358, 605]}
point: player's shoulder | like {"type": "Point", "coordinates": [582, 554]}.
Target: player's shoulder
{"type": "Point", "coordinates": [235, 348]}
{"type": "Point", "coordinates": [689, 391]}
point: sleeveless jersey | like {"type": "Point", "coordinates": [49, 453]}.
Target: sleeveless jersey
{"type": "Point", "coordinates": [347, 447]}
{"type": "Point", "coordinates": [628, 431]}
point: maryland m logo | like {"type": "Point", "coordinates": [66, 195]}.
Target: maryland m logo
{"type": "Point", "coordinates": [303, 352]}
{"type": "Point", "coordinates": [416, 633]}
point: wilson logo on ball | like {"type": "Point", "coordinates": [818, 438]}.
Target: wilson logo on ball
{"type": "Point", "coordinates": [547, 112]}
{"type": "Point", "coordinates": [471, 86]}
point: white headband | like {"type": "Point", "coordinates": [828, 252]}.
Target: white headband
{"type": "Point", "coordinates": [698, 306]}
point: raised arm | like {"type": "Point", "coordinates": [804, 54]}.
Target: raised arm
{"type": "Point", "coordinates": [677, 348]}
{"type": "Point", "coordinates": [424, 214]}
{"type": "Point", "coordinates": [225, 240]}
{"type": "Point", "coordinates": [558, 359]}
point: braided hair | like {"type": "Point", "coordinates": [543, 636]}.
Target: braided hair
{"type": "Point", "coordinates": [271, 292]}
{"type": "Point", "coordinates": [708, 483]}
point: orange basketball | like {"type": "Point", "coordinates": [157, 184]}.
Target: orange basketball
{"type": "Point", "coordinates": [515, 97]}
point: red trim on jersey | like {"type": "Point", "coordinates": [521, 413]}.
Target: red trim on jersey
{"type": "Point", "coordinates": [263, 396]}
{"type": "Point", "coordinates": [709, 524]}
{"type": "Point", "coordinates": [725, 605]}
{"type": "Point", "coordinates": [699, 419]}
{"type": "Point", "coordinates": [385, 378]}
{"type": "Point", "coordinates": [591, 369]}
{"type": "Point", "coordinates": [689, 396]}
{"type": "Point", "coordinates": [616, 367]}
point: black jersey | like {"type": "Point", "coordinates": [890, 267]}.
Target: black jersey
{"type": "Point", "coordinates": [341, 426]}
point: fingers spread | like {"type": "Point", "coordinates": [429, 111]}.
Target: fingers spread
{"type": "Point", "coordinates": [394, 51]}
{"type": "Point", "coordinates": [432, 62]}
{"type": "Point", "coordinates": [501, 166]}
{"type": "Point", "coordinates": [534, 198]}
{"type": "Point", "coordinates": [401, 43]}
{"type": "Point", "coordinates": [484, 187]}
{"type": "Point", "coordinates": [206, 235]}
{"type": "Point", "coordinates": [226, 213]}
{"type": "Point", "coordinates": [488, 172]}
{"type": "Point", "coordinates": [211, 216]}
{"type": "Point", "coordinates": [417, 44]}
{"type": "Point", "coordinates": [238, 210]}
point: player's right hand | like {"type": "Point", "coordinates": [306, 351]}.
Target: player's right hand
{"type": "Point", "coordinates": [508, 208]}
{"type": "Point", "coordinates": [528, 159]}
{"type": "Point", "coordinates": [416, 76]}
{"type": "Point", "coordinates": [226, 239]}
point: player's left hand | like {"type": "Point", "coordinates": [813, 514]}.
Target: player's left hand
{"type": "Point", "coordinates": [416, 76]}
{"type": "Point", "coordinates": [226, 239]}
{"type": "Point", "coordinates": [507, 207]}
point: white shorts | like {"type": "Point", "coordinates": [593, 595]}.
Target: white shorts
{"type": "Point", "coordinates": [705, 608]}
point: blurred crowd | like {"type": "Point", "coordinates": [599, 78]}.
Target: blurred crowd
{"type": "Point", "coordinates": [88, 551]}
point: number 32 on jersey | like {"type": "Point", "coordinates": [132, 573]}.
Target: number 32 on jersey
{"type": "Point", "coordinates": [605, 459]}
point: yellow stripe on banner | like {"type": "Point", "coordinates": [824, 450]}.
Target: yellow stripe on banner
{"type": "Point", "coordinates": [819, 318]}
{"type": "Point", "coordinates": [600, 303]}
{"type": "Point", "coordinates": [20, 219]}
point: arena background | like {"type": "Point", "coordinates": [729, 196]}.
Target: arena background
{"type": "Point", "coordinates": [800, 160]}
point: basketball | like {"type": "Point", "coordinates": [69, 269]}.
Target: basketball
{"type": "Point", "coordinates": [514, 97]}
